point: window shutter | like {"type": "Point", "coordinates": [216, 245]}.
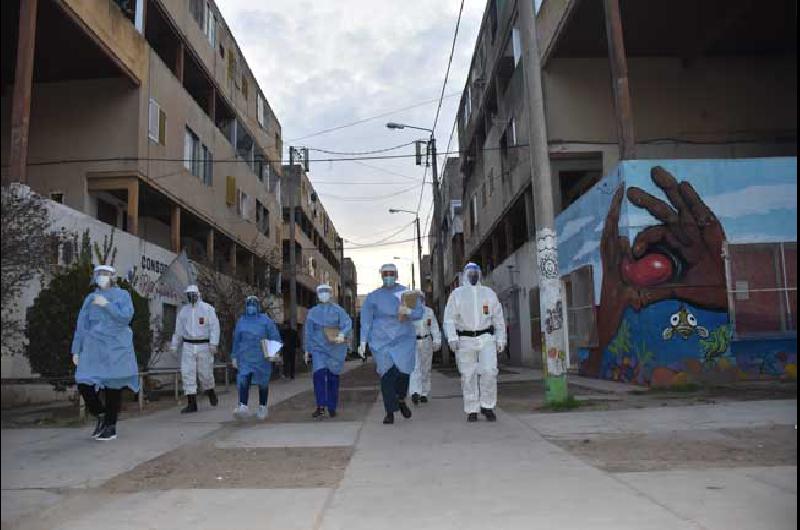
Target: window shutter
{"type": "Point", "coordinates": [230, 190]}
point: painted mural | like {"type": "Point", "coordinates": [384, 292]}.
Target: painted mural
{"type": "Point", "coordinates": [656, 234]}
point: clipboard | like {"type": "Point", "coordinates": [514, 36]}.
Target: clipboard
{"type": "Point", "coordinates": [409, 299]}
{"type": "Point", "coordinates": [331, 332]}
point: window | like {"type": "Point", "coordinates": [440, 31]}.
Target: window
{"type": "Point", "coordinates": [57, 196]}
{"type": "Point", "coordinates": [156, 123]}
{"type": "Point", "coordinates": [106, 212]}
{"type": "Point", "coordinates": [491, 181]}
{"type": "Point", "coordinates": [211, 25]}
{"type": "Point", "coordinates": [242, 203]}
{"type": "Point", "coordinates": [208, 167]}
{"type": "Point", "coordinates": [516, 45]}
{"type": "Point", "coordinates": [762, 287]}
{"type": "Point", "coordinates": [222, 51]}
{"type": "Point", "coordinates": [260, 109]}
{"type": "Point", "coordinates": [484, 197]}
{"type": "Point", "coordinates": [262, 218]}
{"type": "Point", "coordinates": [192, 160]}
{"type": "Point", "coordinates": [467, 104]}
{"type": "Point", "coordinates": [196, 8]}
{"type": "Point", "coordinates": [473, 213]}
{"type": "Point", "coordinates": [244, 85]}
{"type": "Point", "coordinates": [512, 129]}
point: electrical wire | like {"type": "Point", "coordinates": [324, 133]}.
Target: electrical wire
{"type": "Point", "coordinates": [374, 152]}
{"type": "Point", "coordinates": [369, 198]}
{"type": "Point", "coordinates": [370, 118]}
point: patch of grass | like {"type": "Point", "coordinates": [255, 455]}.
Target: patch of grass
{"type": "Point", "coordinates": [563, 406]}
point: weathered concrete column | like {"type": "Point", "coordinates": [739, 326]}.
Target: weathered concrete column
{"type": "Point", "coordinates": [210, 247]}
{"type": "Point", "coordinates": [619, 81]}
{"type": "Point", "coordinates": [133, 206]}
{"type": "Point", "coordinates": [554, 361]}
{"type": "Point", "coordinates": [21, 99]}
{"type": "Point", "coordinates": [175, 228]}
{"type": "Point", "coordinates": [233, 258]}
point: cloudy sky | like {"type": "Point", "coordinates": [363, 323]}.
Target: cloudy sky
{"type": "Point", "coordinates": [327, 63]}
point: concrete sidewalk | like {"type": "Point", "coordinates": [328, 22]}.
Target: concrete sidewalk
{"type": "Point", "coordinates": [434, 471]}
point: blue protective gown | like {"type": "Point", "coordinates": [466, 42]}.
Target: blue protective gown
{"type": "Point", "coordinates": [103, 342]}
{"type": "Point", "coordinates": [391, 341]}
{"type": "Point", "coordinates": [326, 354]}
{"type": "Point", "coordinates": [247, 336]}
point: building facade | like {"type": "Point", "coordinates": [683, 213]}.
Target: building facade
{"type": "Point", "coordinates": [318, 247]}
{"type": "Point", "coordinates": [691, 96]}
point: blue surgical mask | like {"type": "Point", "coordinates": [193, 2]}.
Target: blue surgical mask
{"type": "Point", "coordinates": [389, 281]}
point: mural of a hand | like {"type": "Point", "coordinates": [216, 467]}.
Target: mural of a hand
{"type": "Point", "coordinates": [684, 253]}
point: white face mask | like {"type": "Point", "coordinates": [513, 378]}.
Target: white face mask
{"type": "Point", "coordinates": [103, 281]}
{"type": "Point", "coordinates": [324, 297]}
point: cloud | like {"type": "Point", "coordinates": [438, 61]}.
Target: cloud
{"type": "Point", "coordinates": [574, 226]}
{"type": "Point", "coordinates": [324, 63]}
{"type": "Point", "coordinates": [753, 200]}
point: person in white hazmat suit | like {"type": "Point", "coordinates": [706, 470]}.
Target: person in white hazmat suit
{"type": "Point", "coordinates": [476, 332]}
{"type": "Point", "coordinates": [429, 340]}
{"type": "Point", "coordinates": [197, 334]}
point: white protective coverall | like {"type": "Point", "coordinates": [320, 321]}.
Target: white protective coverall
{"type": "Point", "coordinates": [428, 329]}
{"type": "Point", "coordinates": [473, 308]}
{"type": "Point", "coordinates": [196, 322]}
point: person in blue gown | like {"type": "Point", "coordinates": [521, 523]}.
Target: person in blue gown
{"type": "Point", "coordinates": [249, 359]}
{"type": "Point", "coordinates": [325, 332]}
{"type": "Point", "coordinates": [387, 326]}
{"type": "Point", "coordinates": [102, 351]}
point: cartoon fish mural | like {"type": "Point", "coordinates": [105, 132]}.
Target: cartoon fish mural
{"type": "Point", "coordinates": [684, 324]}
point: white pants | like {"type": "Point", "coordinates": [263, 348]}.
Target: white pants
{"type": "Point", "coordinates": [197, 363]}
{"type": "Point", "coordinates": [477, 362]}
{"type": "Point", "coordinates": [421, 376]}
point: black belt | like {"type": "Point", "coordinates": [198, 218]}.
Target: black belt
{"type": "Point", "coordinates": [196, 341]}
{"type": "Point", "coordinates": [421, 337]}
{"type": "Point", "coordinates": [477, 333]}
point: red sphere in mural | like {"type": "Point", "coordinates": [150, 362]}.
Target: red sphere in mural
{"type": "Point", "coordinates": [652, 269]}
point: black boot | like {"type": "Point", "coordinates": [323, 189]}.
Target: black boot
{"type": "Point", "coordinates": [191, 405]}
{"type": "Point", "coordinates": [319, 413]}
{"type": "Point", "coordinates": [404, 410]}
{"type": "Point", "coordinates": [331, 413]}
{"type": "Point", "coordinates": [109, 433]}
{"type": "Point", "coordinates": [99, 426]}
{"type": "Point", "coordinates": [489, 413]}
{"type": "Point", "coordinates": [472, 417]}
{"type": "Point", "coordinates": [415, 399]}
{"type": "Point", "coordinates": [212, 397]}
{"type": "Point", "coordinates": [389, 419]}
{"type": "Point", "coordinates": [423, 399]}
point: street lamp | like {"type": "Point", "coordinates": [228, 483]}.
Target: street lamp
{"type": "Point", "coordinates": [419, 243]}
{"type": "Point", "coordinates": [413, 285]}
{"type": "Point", "coordinates": [437, 208]}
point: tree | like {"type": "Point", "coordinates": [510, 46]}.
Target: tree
{"type": "Point", "coordinates": [25, 243]}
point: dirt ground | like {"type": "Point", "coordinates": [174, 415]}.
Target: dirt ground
{"type": "Point", "coordinates": [696, 449]}
{"type": "Point", "coordinates": [260, 467]}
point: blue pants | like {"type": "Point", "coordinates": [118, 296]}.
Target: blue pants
{"type": "Point", "coordinates": [326, 389]}
{"type": "Point", "coordinates": [394, 387]}
{"type": "Point", "coordinates": [243, 382]}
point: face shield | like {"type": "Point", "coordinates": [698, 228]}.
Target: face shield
{"type": "Point", "coordinates": [324, 293]}
{"type": "Point", "coordinates": [252, 305]}
{"type": "Point", "coordinates": [193, 294]}
{"type": "Point", "coordinates": [102, 276]}
{"type": "Point", "coordinates": [389, 275]}
{"type": "Point", "coordinates": [472, 275]}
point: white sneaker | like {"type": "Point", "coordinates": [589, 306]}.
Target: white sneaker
{"type": "Point", "coordinates": [262, 412]}
{"type": "Point", "coordinates": [241, 412]}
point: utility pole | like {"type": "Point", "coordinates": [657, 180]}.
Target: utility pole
{"type": "Point", "coordinates": [419, 255]}
{"type": "Point", "coordinates": [292, 237]}
{"type": "Point", "coordinates": [437, 209]}
{"type": "Point", "coordinates": [554, 361]}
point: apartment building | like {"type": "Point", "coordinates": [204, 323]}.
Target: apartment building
{"type": "Point", "coordinates": [349, 290]}
{"type": "Point", "coordinates": [145, 115]}
{"type": "Point", "coordinates": [711, 89]}
{"type": "Point", "coordinates": [318, 247]}
{"type": "Point", "coordinates": [450, 223]}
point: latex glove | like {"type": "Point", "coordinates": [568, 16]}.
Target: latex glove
{"type": "Point", "coordinates": [306, 357]}
{"type": "Point", "coordinates": [500, 347]}
{"type": "Point", "coordinates": [212, 349]}
{"type": "Point", "coordinates": [339, 339]}
{"type": "Point", "coordinates": [100, 300]}
{"type": "Point", "coordinates": [453, 345]}
{"type": "Point", "coordinates": [75, 359]}
{"type": "Point", "coordinates": [404, 310]}
{"type": "Point", "coordinates": [362, 350]}
{"type": "Point", "coordinates": [235, 364]}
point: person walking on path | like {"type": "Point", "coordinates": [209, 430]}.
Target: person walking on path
{"type": "Point", "coordinates": [249, 357]}
{"type": "Point", "coordinates": [326, 329]}
{"type": "Point", "coordinates": [429, 339]}
{"type": "Point", "coordinates": [387, 326]}
{"type": "Point", "coordinates": [102, 351]}
{"type": "Point", "coordinates": [197, 334]}
{"type": "Point", "coordinates": [476, 331]}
